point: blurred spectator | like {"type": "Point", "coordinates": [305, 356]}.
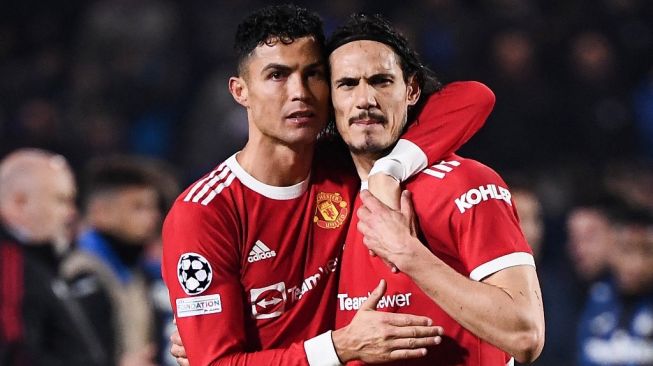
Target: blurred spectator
{"type": "Point", "coordinates": [590, 238]}
{"type": "Point", "coordinates": [531, 220]}
{"type": "Point", "coordinates": [617, 324]}
{"type": "Point", "coordinates": [168, 189]}
{"type": "Point", "coordinates": [109, 274]}
{"type": "Point", "coordinates": [556, 283]}
{"type": "Point", "coordinates": [632, 180]}
{"type": "Point", "coordinates": [40, 322]}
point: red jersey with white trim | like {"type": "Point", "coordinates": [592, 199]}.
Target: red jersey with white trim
{"type": "Point", "coordinates": [468, 220]}
{"type": "Point", "coordinates": [247, 264]}
{"type": "Point", "coordinates": [251, 269]}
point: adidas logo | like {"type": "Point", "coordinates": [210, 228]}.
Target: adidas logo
{"type": "Point", "coordinates": [259, 252]}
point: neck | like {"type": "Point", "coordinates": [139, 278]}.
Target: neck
{"type": "Point", "coordinates": [364, 163]}
{"type": "Point", "coordinates": [275, 164]}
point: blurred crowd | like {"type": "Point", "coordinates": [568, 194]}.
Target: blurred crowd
{"type": "Point", "coordinates": [572, 129]}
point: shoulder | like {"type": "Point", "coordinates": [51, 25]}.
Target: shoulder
{"type": "Point", "coordinates": [82, 266]}
{"type": "Point", "coordinates": [210, 187]}
{"type": "Point", "coordinates": [456, 171]}
{"type": "Point", "coordinates": [206, 199]}
{"type": "Point", "coordinates": [463, 182]}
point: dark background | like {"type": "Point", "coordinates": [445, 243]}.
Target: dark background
{"type": "Point", "coordinates": [573, 80]}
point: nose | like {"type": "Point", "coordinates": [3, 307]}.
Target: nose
{"type": "Point", "coordinates": [297, 87]}
{"type": "Point", "coordinates": [364, 96]}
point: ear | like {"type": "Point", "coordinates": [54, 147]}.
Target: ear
{"type": "Point", "coordinates": [238, 90]}
{"type": "Point", "coordinates": [413, 91]}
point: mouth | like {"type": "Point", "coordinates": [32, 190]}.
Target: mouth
{"type": "Point", "coordinates": [368, 119]}
{"type": "Point", "coordinates": [366, 122]}
{"type": "Point", "coordinates": [303, 116]}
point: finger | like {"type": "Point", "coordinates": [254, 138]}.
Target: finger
{"type": "Point", "coordinates": [414, 343]}
{"type": "Point", "coordinates": [371, 202]}
{"type": "Point", "coordinates": [408, 210]}
{"type": "Point", "coordinates": [175, 338]}
{"type": "Point", "coordinates": [372, 254]}
{"type": "Point", "coordinates": [404, 354]}
{"type": "Point", "coordinates": [177, 351]}
{"type": "Point", "coordinates": [363, 228]}
{"type": "Point", "coordinates": [182, 362]}
{"type": "Point", "coordinates": [368, 241]}
{"type": "Point", "coordinates": [375, 296]}
{"type": "Point", "coordinates": [391, 265]}
{"type": "Point", "coordinates": [363, 213]}
{"type": "Point", "coordinates": [406, 206]}
{"type": "Point", "coordinates": [406, 320]}
{"type": "Point", "coordinates": [416, 332]}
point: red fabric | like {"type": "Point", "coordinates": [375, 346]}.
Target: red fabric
{"type": "Point", "coordinates": [301, 274]}
{"type": "Point", "coordinates": [11, 293]}
{"type": "Point", "coordinates": [486, 230]}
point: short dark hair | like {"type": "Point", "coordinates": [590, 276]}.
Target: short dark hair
{"type": "Point", "coordinates": [375, 27]}
{"type": "Point", "coordinates": [630, 215]}
{"type": "Point", "coordinates": [276, 23]}
{"type": "Point", "coordinates": [109, 174]}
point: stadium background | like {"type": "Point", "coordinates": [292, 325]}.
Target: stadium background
{"type": "Point", "coordinates": [573, 80]}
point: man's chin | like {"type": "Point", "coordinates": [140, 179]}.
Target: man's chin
{"type": "Point", "coordinates": [366, 148]}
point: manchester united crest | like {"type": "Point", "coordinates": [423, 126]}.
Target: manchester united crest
{"type": "Point", "coordinates": [331, 210]}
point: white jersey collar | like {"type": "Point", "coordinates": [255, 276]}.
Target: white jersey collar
{"type": "Point", "coordinates": [274, 192]}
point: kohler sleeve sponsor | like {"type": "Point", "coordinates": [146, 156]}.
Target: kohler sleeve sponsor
{"type": "Point", "coordinates": [475, 196]}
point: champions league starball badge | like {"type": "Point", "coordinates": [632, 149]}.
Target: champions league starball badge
{"type": "Point", "coordinates": [194, 273]}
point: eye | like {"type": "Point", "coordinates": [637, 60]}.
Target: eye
{"type": "Point", "coordinates": [346, 84]}
{"type": "Point", "coordinates": [315, 73]}
{"type": "Point", "coordinates": [276, 75]}
{"type": "Point", "coordinates": [381, 81]}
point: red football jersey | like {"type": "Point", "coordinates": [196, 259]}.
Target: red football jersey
{"type": "Point", "coordinates": [251, 268]}
{"type": "Point", "coordinates": [468, 220]}
{"type": "Point", "coordinates": [265, 256]}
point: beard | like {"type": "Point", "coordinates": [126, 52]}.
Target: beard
{"type": "Point", "coordinates": [370, 145]}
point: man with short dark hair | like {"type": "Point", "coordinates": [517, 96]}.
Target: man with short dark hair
{"type": "Point", "coordinates": [122, 215]}
{"type": "Point", "coordinates": [617, 320]}
{"type": "Point", "coordinates": [469, 267]}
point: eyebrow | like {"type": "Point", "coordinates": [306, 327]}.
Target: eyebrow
{"type": "Point", "coordinates": [276, 67]}
{"type": "Point", "coordinates": [282, 67]}
{"type": "Point", "coordinates": [381, 76]}
{"type": "Point", "coordinates": [371, 78]}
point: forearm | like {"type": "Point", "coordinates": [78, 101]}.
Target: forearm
{"type": "Point", "coordinates": [294, 355]}
{"type": "Point", "coordinates": [507, 318]}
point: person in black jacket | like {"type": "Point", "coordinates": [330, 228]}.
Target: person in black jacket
{"type": "Point", "coordinates": [40, 322]}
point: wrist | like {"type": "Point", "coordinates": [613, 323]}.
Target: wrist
{"type": "Point", "coordinates": [341, 344]}
{"type": "Point", "coordinates": [412, 258]}
{"type": "Point", "coordinates": [386, 189]}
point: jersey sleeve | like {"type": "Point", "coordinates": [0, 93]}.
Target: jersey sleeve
{"type": "Point", "coordinates": [201, 268]}
{"type": "Point", "coordinates": [486, 228]}
{"type": "Point", "coordinates": [449, 118]}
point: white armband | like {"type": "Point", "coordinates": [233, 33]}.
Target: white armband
{"type": "Point", "coordinates": [320, 351]}
{"type": "Point", "coordinates": [404, 161]}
